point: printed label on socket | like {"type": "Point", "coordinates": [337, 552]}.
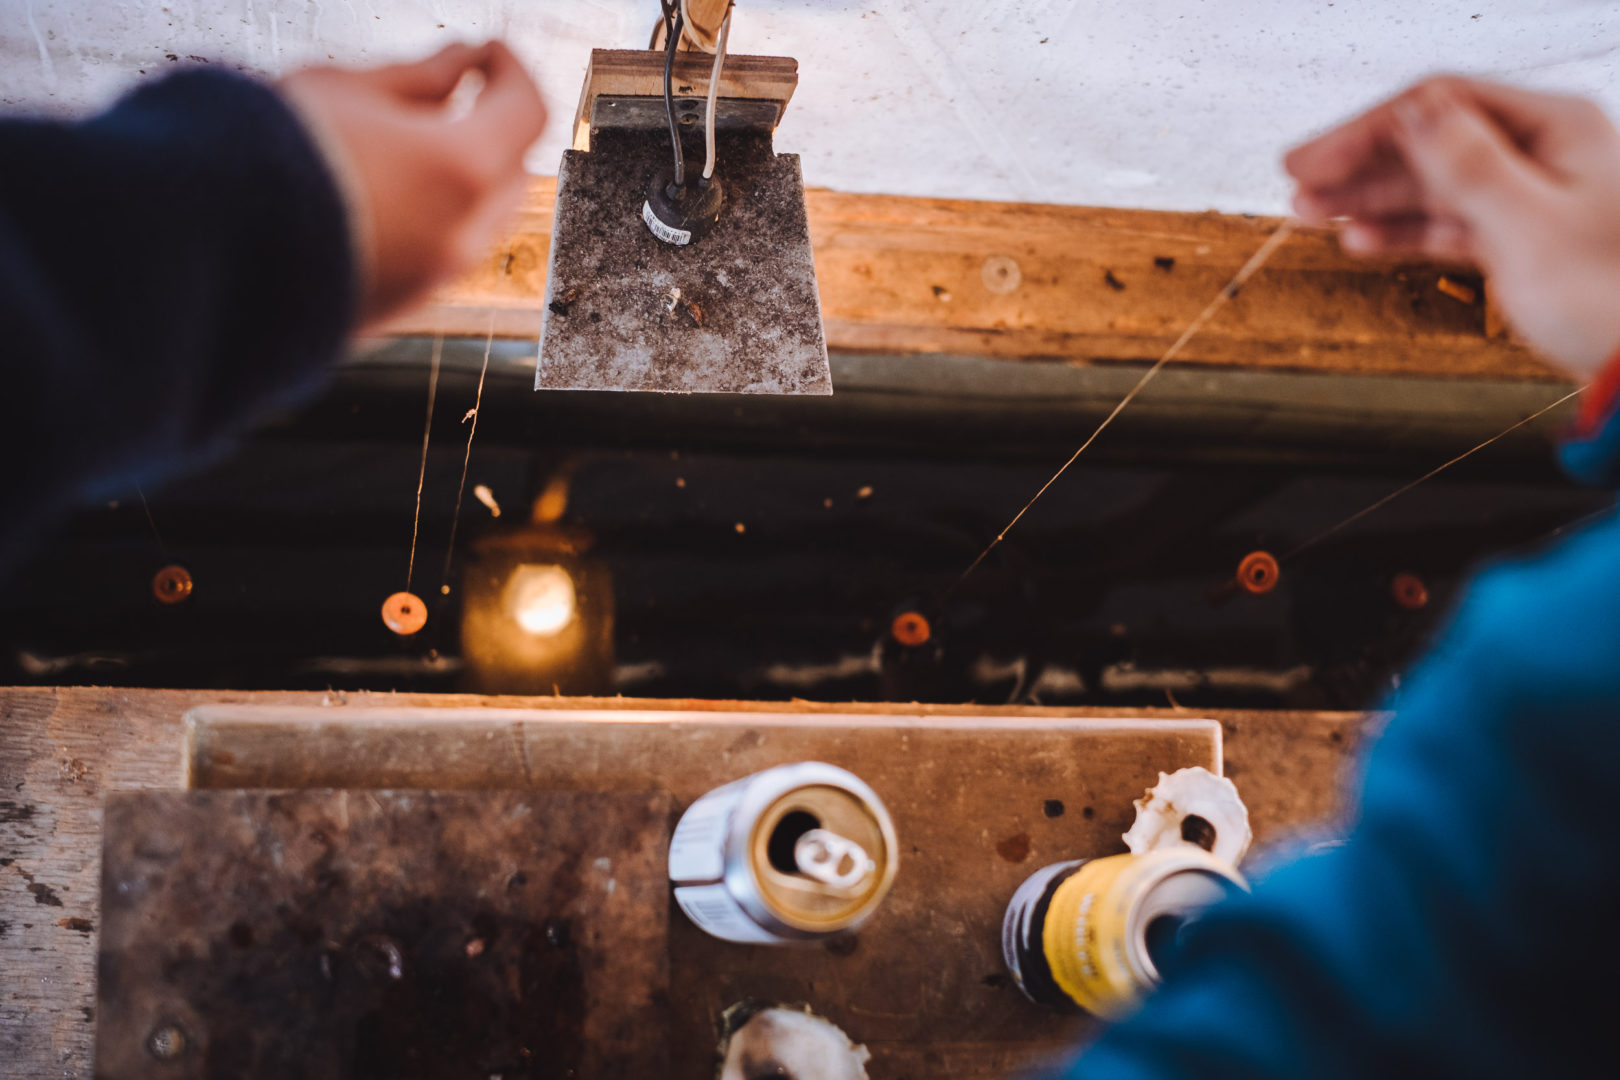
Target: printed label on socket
{"type": "Point", "coordinates": [716, 912]}
{"type": "Point", "coordinates": [667, 233]}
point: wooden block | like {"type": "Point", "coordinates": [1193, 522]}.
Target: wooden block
{"type": "Point", "coordinates": [640, 73]}
{"type": "Point", "coordinates": [399, 934]}
{"type": "Point", "coordinates": [979, 803]}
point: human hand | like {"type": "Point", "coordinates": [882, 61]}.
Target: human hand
{"type": "Point", "coordinates": [426, 185]}
{"type": "Point", "coordinates": [1523, 184]}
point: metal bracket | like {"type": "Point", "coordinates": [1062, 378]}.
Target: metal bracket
{"type": "Point", "coordinates": [640, 113]}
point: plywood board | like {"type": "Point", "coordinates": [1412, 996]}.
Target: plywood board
{"type": "Point", "coordinates": [979, 803]}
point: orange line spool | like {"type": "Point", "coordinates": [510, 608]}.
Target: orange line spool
{"type": "Point", "coordinates": [911, 628]}
{"type": "Point", "coordinates": [172, 584]}
{"type": "Point", "coordinates": [1258, 572]}
{"type": "Point", "coordinates": [1409, 592]}
{"type": "Point", "coordinates": [404, 613]}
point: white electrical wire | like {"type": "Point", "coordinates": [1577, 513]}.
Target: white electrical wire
{"type": "Point", "coordinates": [714, 91]}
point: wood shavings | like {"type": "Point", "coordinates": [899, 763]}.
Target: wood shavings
{"type": "Point", "coordinates": [564, 300]}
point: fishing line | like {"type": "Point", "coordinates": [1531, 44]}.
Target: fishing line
{"type": "Point", "coordinates": [172, 583]}
{"type": "Point", "coordinates": [427, 430]}
{"type": "Point", "coordinates": [1403, 489]}
{"type": "Point", "coordinates": [1584, 519]}
{"type": "Point", "coordinates": [472, 414]}
{"type": "Point", "coordinates": [163, 549]}
{"type": "Point", "coordinates": [1256, 261]}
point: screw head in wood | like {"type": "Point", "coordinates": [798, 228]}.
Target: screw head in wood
{"type": "Point", "coordinates": [166, 1043]}
{"type": "Point", "coordinates": [1409, 592]}
{"type": "Point", "coordinates": [404, 613]}
{"type": "Point", "coordinates": [1258, 572]}
{"type": "Point", "coordinates": [171, 585]}
{"type": "Point", "coordinates": [1001, 274]}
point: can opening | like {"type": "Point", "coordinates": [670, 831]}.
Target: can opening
{"type": "Point", "coordinates": [1162, 937]}
{"type": "Point", "coordinates": [1197, 830]}
{"type": "Point", "coordinates": [779, 849]}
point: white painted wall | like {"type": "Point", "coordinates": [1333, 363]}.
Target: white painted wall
{"type": "Point", "coordinates": [1174, 104]}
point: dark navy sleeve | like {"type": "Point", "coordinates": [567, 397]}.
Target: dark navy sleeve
{"type": "Point", "coordinates": [1465, 927]}
{"type": "Point", "coordinates": [168, 270]}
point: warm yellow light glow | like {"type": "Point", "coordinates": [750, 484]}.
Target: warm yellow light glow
{"type": "Point", "coordinates": [541, 599]}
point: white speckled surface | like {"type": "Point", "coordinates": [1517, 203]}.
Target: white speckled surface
{"type": "Point", "coordinates": [1172, 104]}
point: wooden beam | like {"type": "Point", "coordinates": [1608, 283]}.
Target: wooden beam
{"type": "Point", "coordinates": [1081, 285]}
{"type": "Point", "coordinates": [703, 22]}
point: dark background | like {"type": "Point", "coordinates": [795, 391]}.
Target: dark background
{"type": "Point", "coordinates": [1110, 591]}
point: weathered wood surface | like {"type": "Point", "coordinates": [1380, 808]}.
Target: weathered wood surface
{"type": "Point", "coordinates": [337, 935]}
{"type": "Point", "coordinates": [1074, 284]}
{"type": "Point", "coordinates": [979, 802]}
{"type": "Point", "coordinates": [62, 750]}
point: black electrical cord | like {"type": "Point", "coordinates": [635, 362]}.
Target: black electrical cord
{"type": "Point", "coordinates": [669, 100]}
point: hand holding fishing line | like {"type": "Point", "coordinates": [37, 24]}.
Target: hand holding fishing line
{"type": "Point", "coordinates": [1517, 182]}
{"type": "Point", "coordinates": [426, 184]}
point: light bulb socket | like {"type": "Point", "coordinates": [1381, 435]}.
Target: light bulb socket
{"type": "Point", "coordinates": [681, 215]}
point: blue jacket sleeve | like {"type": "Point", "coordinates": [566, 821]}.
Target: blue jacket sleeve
{"type": "Point", "coordinates": [1465, 926]}
{"type": "Point", "coordinates": [168, 269]}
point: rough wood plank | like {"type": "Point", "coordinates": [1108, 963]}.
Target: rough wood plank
{"type": "Point", "coordinates": [979, 802]}
{"type": "Point", "coordinates": [335, 935]}
{"type": "Point", "coordinates": [686, 752]}
{"type": "Point", "coordinates": [61, 750]}
{"type": "Point", "coordinates": [1072, 284]}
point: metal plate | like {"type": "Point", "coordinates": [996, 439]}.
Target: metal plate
{"type": "Point", "coordinates": [326, 934]}
{"type": "Point", "coordinates": [747, 316]}
{"type": "Point", "coordinates": [610, 113]}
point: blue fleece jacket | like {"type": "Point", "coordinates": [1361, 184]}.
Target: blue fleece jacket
{"type": "Point", "coordinates": [168, 269]}
{"type": "Point", "coordinates": [1467, 926]}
